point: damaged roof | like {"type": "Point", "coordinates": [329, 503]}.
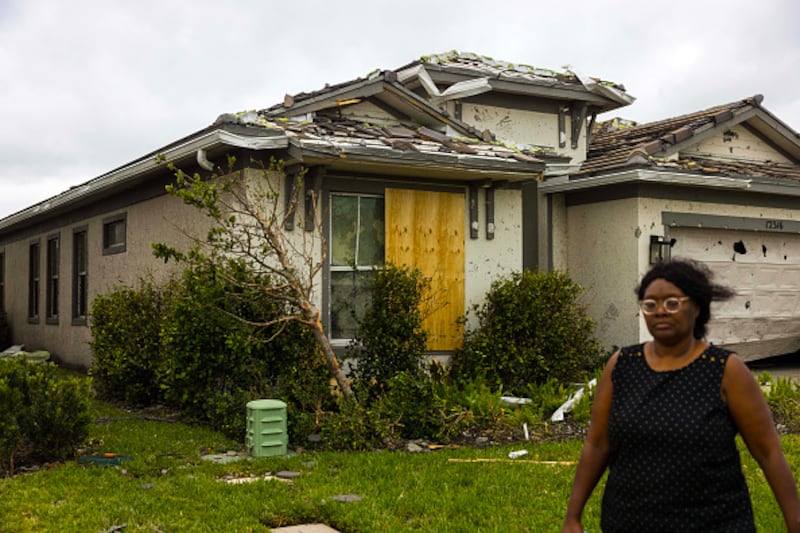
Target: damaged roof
{"type": "Point", "coordinates": [617, 145]}
{"type": "Point", "coordinates": [337, 139]}
{"type": "Point", "coordinates": [458, 69]}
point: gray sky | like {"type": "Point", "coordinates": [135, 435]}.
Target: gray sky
{"type": "Point", "coordinates": [87, 86]}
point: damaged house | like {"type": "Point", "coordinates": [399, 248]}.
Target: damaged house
{"type": "Point", "coordinates": [433, 165]}
{"type": "Point", "coordinates": [468, 169]}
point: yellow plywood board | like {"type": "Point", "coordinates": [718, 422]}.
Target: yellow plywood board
{"type": "Point", "coordinates": [425, 230]}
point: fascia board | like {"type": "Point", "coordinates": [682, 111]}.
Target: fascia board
{"type": "Point", "coordinates": [305, 151]}
{"type": "Point", "coordinates": [362, 89]}
{"type": "Point", "coordinates": [420, 105]}
{"type": "Point", "coordinates": [129, 172]}
{"type": "Point", "coordinates": [776, 131]}
{"type": "Point", "coordinates": [708, 131]}
{"type": "Point", "coordinates": [646, 176]}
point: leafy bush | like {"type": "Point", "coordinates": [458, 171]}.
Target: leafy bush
{"type": "Point", "coordinates": [355, 426]}
{"type": "Point", "coordinates": [45, 417]}
{"type": "Point", "coordinates": [409, 401]}
{"type": "Point", "coordinates": [783, 398]}
{"type": "Point", "coordinates": [216, 358]}
{"type": "Point", "coordinates": [530, 328]}
{"type": "Point", "coordinates": [125, 344]}
{"type": "Point", "coordinates": [390, 338]}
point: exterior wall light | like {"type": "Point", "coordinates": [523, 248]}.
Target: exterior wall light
{"type": "Point", "coordinates": [660, 248]}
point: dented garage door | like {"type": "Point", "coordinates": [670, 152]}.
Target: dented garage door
{"type": "Point", "coordinates": [760, 259]}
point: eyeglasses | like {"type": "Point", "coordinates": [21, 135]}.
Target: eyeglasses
{"type": "Point", "coordinates": [671, 304]}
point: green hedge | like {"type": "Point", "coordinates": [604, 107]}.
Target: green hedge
{"type": "Point", "coordinates": [531, 327]}
{"type": "Point", "coordinates": [44, 416]}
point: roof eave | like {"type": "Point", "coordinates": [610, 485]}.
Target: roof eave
{"type": "Point", "coordinates": [116, 178]}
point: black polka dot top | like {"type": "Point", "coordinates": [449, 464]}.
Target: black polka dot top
{"type": "Point", "coordinates": [674, 466]}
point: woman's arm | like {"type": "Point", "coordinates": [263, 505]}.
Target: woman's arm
{"type": "Point", "coordinates": [752, 416]}
{"type": "Point", "coordinates": [594, 457]}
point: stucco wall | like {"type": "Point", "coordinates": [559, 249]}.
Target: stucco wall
{"type": "Point", "coordinates": [737, 143]}
{"type": "Point", "coordinates": [524, 128]}
{"type": "Point", "coordinates": [488, 260]}
{"type": "Point", "coordinates": [157, 219]}
{"type": "Point", "coordinates": [604, 239]}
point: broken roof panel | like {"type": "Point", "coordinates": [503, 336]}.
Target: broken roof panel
{"type": "Point", "coordinates": [454, 67]}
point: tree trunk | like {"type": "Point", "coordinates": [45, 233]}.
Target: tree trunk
{"type": "Point", "coordinates": [333, 363]}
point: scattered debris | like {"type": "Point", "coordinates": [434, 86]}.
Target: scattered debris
{"type": "Point", "coordinates": [513, 400]}
{"type": "Point", "coordinates": [347, 498]}
{"type": "Point", "coordinates": [517, 453]}
{"type": "Point", "coordinates": [106, 459]}
{"type": "Point", "coordinates": [566, 407]}
{"type": "Point", "coordinates": [287, 474]}
{"type": "Point", "coordinates": [241, 480]}
{"type": "Point", "coordinates": [495, 460]}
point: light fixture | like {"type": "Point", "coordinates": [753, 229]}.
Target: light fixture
{"type": "Point", "coordinates": [660, 248]}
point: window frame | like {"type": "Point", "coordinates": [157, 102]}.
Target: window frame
{"type": "Point", "coordinates": [3, 280]}
{"type": "Point", "coordinates": [116, 247]}
{"type": "Point", "coordinates": [34, 280]}
{"type": "Point", "coordinates": [52, 273]}
{"type": "Point", "coordinates": [80, 277]}
{"type": "Point", "coordinates": [333, 269]}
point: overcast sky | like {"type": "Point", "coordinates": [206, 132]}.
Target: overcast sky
{"type": "Point", "coordinates": [87, 86]}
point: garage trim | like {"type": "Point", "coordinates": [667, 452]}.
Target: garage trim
{"type": "Point", "coordinates": [694, 220]}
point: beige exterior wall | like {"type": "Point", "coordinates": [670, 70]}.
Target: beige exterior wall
{"type": "Point", "coordinates": [524, 128]}
{"type": "Point", "coordinates": [151, 221]}
{"type": "Point", "coordinates": [603, 239]}
{"type": "Point", "coordinates": [488, 260]}
{"type": "Point", "coordinates": [738, 143]}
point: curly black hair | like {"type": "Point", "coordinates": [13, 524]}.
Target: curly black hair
{"type": "Point", "coordinates": [695, 279]}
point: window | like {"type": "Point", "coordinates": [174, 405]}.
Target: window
{"type": "Point", "coordinates": [356, 248]}
{"type": "Point", "coordinates": [80, 259]}
{"type": "Point", "coordinates": [2, 281]}
{"type": "Point", "coordinates": [51, 298]}
{"type": "Point", "coordinates": [114, 234]}
{"type": "Point", "coordinates": [33, 281]}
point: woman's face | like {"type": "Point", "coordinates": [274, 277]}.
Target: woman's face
{"type": "Point", "coordinates": [665, 327]}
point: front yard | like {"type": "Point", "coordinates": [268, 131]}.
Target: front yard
{"type": "Point", "coordinates": [168, 486]}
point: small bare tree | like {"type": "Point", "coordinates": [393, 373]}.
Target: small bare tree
{"type": "Point", "coordinates": [248, 218]}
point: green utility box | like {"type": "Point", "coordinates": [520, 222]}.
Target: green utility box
{"type": "Point", "coordinates": [266, 428]}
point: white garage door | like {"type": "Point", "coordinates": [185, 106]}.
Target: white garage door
{"type": "Point", "coordinates": [763, 319]}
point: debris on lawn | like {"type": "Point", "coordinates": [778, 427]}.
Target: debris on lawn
{"type": "Point", "coordinates": [566, 407]}
{"type": "Point", "coordinates": [347, 498]}
{"type": "Point", "coordinates": [517, 453]}
{"type": "Point", "coordinates": [106, 459]}
{"type": "Point", "coordinates": [241, 480]}
{"type": "Point", "coordinates": [500, 460]}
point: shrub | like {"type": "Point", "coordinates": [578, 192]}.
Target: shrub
{"type": "Point", "coordinates": [45, 417]}
{"type": "Point", "coordinates": [125, 344]}
{"type": "Point", "coordinates": [390, 338]}
{"type": "Point", "coordinates": [530, 328]}
{"type": "Point", "coordinates": [216, 358]}
{"type": "Point", "coordinates": [410, 403]}
{"type": "Point", "coordinates": [783, 398]}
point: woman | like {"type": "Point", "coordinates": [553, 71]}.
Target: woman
{"type": "Point", "coordinates": [664, 421]}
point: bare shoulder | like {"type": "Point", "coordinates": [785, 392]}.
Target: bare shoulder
{"type": "Point", "coordinates": [738, 380]}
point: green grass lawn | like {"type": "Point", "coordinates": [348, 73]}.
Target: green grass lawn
{"type": "Point", "coordinates": [168, 488]}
